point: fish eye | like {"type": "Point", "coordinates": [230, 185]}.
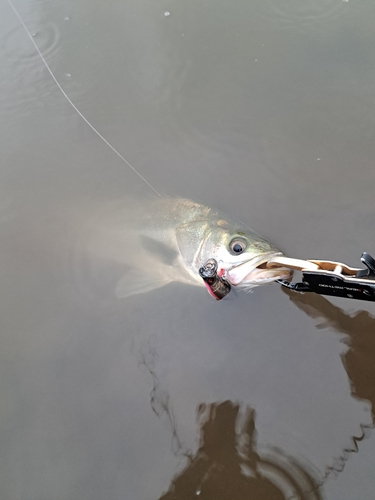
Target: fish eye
{"type": "Point", "coordinates": [237, 246]}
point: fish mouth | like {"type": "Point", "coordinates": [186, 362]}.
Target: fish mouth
{"type": "Point", "coordinates": [255, 272]}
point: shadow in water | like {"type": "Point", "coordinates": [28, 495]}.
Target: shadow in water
{"type": "Point", "coordinates": [227, 464]}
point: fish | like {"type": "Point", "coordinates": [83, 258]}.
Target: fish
{"type": "Point", "coordinates": [169, 239]}
{"type": "Point", "coordinates": [174, 238]}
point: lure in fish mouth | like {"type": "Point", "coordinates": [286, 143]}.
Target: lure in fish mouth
{"type": "Point", "coordinates": [167, 240]}
{"type": "Point", "coordinates": [218, 281]}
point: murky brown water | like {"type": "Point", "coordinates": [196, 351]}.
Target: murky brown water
{"type": "Point", "coordinates": [263, 108]}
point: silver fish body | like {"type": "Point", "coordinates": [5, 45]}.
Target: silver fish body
{"type": "Point", "coordinates": [170, 239]}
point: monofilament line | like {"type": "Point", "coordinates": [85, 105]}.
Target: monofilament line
{"type": "Point", "coordinates": [72, 103]}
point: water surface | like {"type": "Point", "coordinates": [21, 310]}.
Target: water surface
{"type": "Point", "coordinates": [263, 108]}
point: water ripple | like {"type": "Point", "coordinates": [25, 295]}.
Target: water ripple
{"type": "Point", "coordinates": [42, 2]}
{"type": "Point", "coordinates": [18, 48]}
{"type": "Point", "coordinates": [24, 82]}
{"type": "Point", "coordinates": [290, 13]}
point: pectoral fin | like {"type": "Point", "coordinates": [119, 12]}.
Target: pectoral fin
{"type": "Point", "coordinates": [136, 281]}
{"type": "Point", "coordinates": [163, 253]}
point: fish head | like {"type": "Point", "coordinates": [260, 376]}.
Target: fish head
{"type": "Point", "coordinates": [241, 254]}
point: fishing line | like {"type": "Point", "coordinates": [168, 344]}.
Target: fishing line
{"type": "Point", "coordinates": [72, 103]}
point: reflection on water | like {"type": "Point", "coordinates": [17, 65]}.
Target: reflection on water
{"type": "Point", "coordinates": [227, 464]}
{"type": "Point", "coordinates": [358, 360]}
{"type": "Point", "coordinates": [360, 327]}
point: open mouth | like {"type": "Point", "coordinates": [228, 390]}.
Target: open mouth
{"type": "Point", "coordinates": [255, 271]}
